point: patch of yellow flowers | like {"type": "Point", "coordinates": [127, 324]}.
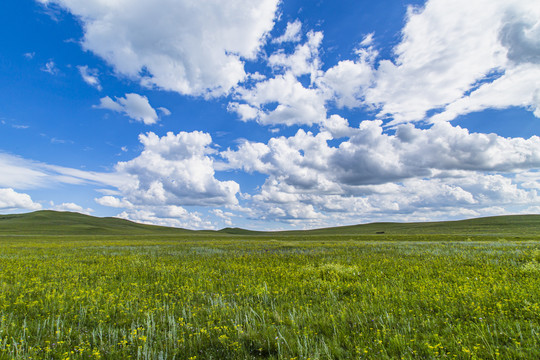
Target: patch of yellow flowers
{"type": "Point", "coordinates": [199, 298]}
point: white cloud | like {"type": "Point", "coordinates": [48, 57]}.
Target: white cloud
{"type": "Point", "coordinates": [451, 49]}
{"type": "Point", "coordinates": [132, 105]}
{"type": "Point", "coordinates": [172, 171]}
{"type": "Point", "coordinates": [285, 99]}
{"type": "Point", "coordinates": [347, 82]}
{"type": "Point", "coordinates": [112, 201]}
{"type": "Point", "coordinates": [90, 76]}
{"type": "Point", "coordinates": [50, 67]}
{"type": "Point", "coordinates": [174, 216]}
{"type": "Point", "coordinates": [454, 58]}
{"type": "Point", "coordinates": [245, 111]}
{"type": "Point", "coordinates": [370, 172]}
{"type": "Point", "coordinates": [292, 33]}
{"type": "Point", "coordinates": [304, 60]}
{"type": "Point", "coordinates": [517, 87]}
{"type": "Point", "coordinates": [193, 48]}
{"type": "Point", "coordinates": [225, 216]}
{"type": "Point", "coordinates": [71, 207]}
{"type": "Point", "coordinates": [529, 179]}
{"type": "Point", "coordinates": [164, 111]}
{"type": "Point", "coordinates": [337, 126]}
{"type": "Point", "coordinates": [367, 40]}
{"type": "Point", "coordinates": [21, 174]}
{"type": "Point", "coordinates": [11, 200]}
{"type": "Point", "coordinates": [175, 170]}
{"type": "Point", "coordinates": [296, 103]}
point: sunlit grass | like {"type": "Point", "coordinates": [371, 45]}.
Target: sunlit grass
{"type": "Point", "coordinates": [235, 298]}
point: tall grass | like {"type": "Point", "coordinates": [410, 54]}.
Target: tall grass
{"type": "Point", "coordinates": [226, 298]}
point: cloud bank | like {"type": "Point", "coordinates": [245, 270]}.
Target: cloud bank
{"type": "Point", "coordinates": [408, 161]}
{"type": "Point", "coordinates": [196, 48]}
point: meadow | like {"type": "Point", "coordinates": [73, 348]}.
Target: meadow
{"type": "Point", "coordinates": [296, 296]}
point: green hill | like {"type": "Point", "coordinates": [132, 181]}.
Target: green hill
{"type": "Point", "coordinates": [495, 225]}
{"type": "Point", "coordinates": [47, 222]}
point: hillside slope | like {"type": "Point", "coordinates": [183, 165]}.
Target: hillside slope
{"type": "Point", "coordinates": [47, 222]}
{"type": "Point", "coordinates": [495, 225]}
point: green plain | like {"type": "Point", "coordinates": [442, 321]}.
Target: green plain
{"type": "Point", "coordinates": [85, 288]}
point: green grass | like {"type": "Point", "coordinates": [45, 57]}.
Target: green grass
{"type": "Point", "coordinates": [492, 226]}
{"type": "Point", "coordinates": [47, 222]}
{"type": "Point", "coordinates": [216, 295]}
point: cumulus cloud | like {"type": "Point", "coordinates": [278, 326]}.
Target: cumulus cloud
{"type": "Point", "coordinates": [90, 76]}
{"type": "Point", "coordinates": [371, 156]}
{"type": "Point", "coordinates": [453, 59]}
{"type": "Point", "coordinates": [286, 100]}
{"type": "Point", "coordinates": [292, 33]}
{"type": "Point", "coordinates": [174, 216]}
{"type": "Point", "coordinates": [175, 169]}
{"type": "Point", "coordinates": [347, 82]}
{"type": "Point", "coordinates": [160, 214]}
{"type": "Point", "coordinates": [71, 207]}
{"type": "Point", "coordinates": [11, 200]}
{"type": "Point", "coordinates": [529, 179]}
{"type": "Point", "coordinates": [304, 60]}
{"type": "Point", "coordinates": [373, 172]}
{"type": "Point", "coordinates": [189, 47]}
{"type": "Point", "coordinates": [112, 201]}
{"type": "Point", "coordinates": [225, 216]}
{"type": "Point", "coordinates": [296, 104]}
{"type": "Point", "coordinates": [135, 106]}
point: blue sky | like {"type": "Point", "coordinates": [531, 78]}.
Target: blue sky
{"type": "Point", "coordinates": [270, 114]}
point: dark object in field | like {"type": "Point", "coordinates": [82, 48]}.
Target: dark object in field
{"type": "Point", "coordinates": [379, 232]}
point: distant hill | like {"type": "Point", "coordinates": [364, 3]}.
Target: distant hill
{"type": "Point", "coordinates": [495, 225]}
{"type": "Point", "coordinates": [47, 222]}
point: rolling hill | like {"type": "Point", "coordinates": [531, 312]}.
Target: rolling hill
{"type": "Point", "coordinates": [47, 222]}
{"type": "Point", "coordinates": [495, 225]}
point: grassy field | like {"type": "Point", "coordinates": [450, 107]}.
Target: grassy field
{"type": "Point", "coordinates": [316, 295]}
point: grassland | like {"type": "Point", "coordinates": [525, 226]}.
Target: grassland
{"type": "Point", "coordinates": [454, 293]}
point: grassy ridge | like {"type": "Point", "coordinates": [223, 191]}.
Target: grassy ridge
{"type": "Point", "coordinates": [48, 222]}
{"type": "Point", "coordinates": [510, 224]}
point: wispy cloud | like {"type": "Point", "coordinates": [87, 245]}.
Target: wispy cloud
{"type": "Point", "coordinates": [90, 76]}
{"type": "Point", "coordinates": [50, 67]}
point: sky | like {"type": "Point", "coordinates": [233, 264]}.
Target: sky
{"type": "Point", "coordinates": [270, 114]}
